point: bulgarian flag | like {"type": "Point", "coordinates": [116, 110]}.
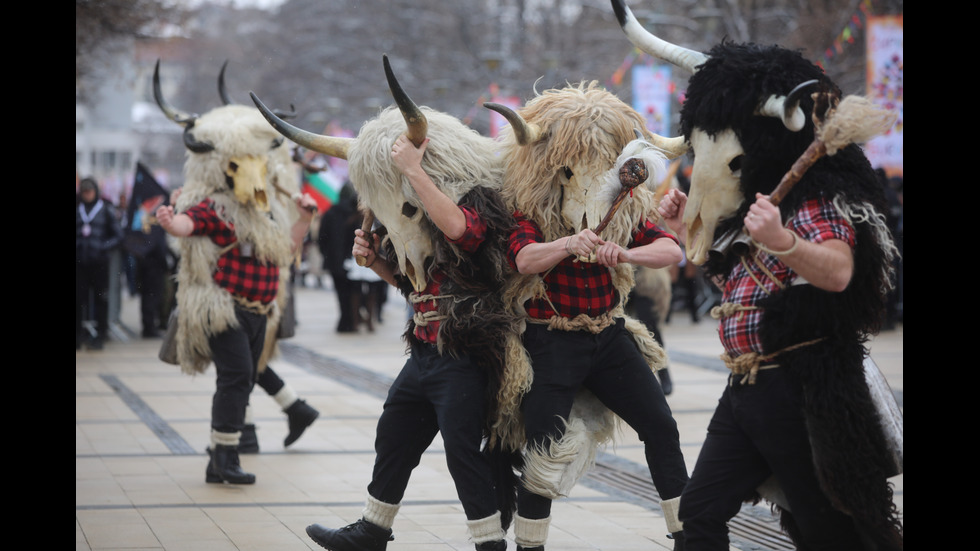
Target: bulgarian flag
{"type": "Point", "coordinates": [324, 187]}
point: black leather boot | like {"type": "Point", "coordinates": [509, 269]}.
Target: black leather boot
{"type": "Point", "coordinates": [301, 415]}
{"type": "Point", "coordinates": [678, 538]}
{"type": "Point", "coordinates": [225, 467]}
{"type": "Point", "coordinates": [492, 546]}
{"type": "Point", "coordinates": [536, 548]}
{"type": "Point", "coordinates": [359, 536]}
{"type": "Point", "coordinates": [249, 442]}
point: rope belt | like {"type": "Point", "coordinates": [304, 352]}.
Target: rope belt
{"type": "Point", "coordinates": [581, 322]}
{"type": "Point", "coordinates": [254, 306]}
{"type": "Point", "coordinates": [749, 364]}
{"type": "Point", "coordinates": [424, 318]}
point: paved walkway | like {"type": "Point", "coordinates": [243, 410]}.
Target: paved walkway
{"type": "Point", "coordinates": [141, 429]}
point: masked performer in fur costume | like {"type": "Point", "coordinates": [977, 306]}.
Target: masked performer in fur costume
{"type": "Point", "coordinates": [801, 295]}
{"type": "Point", "coordinates": [582, 186]}
{"type": "Point", "coordinates": [434, 190]}
{"type": "Point", "coordinates": [299, 414]}
{"type": "Point", "coordinates": [234, 239]}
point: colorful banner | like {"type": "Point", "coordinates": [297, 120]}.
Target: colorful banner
{"type": "Point", "coordinates": [324, 187]}
{"type": "Point", "coordinates": [885, 72]}
{"type": "Point", "coordinates": [651, 96]}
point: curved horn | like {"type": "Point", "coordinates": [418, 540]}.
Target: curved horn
{"type": "Point", "coordinates": [222, 91]}
{"type": "Point", "coordinates": [524, 132]}
{"type": "Point", "coordinates": [173, 114]}
{"type": "Point", "coordinates": [787, 108]}
{"type": "Point", "coordinates": [418, 127]}
{"type": "Point", "coordinates": [672, 147]}
{"type": "Point", "coordinates": [644, 40]}
{"type": "Point", "coordinates": [328, 145]}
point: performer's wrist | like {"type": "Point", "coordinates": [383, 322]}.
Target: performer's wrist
{"type": "Point", "coordinates": [568, 245]}
{"type": "Point", "coordinates": [796, 242]}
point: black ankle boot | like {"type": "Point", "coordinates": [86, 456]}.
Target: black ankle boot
{"type": "Point", "coordinates": [225, 467]}
{"type": "Point", "coordinates": [492, 546]}
{"type": "Point", "coordinates": [359, 536]}
{"type": "Point", "coordinates": [678, 538]}
{"type": "Point", "coordinates": [301, 415]}
{"type": "Point", "coordinates": [249, 442]}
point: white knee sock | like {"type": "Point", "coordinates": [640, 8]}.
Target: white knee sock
{"type": "Point", "coordinates": [285, 397]}
{"type": "Point", "coordinates": [225, 438]}
{"type": "Point", "coordinates": [486, 529]}
{"type": "Point", "coordinates": [671, 508]}
{"type": "Point", "coordinates": [380, 513]}
{"type": "Point", "coordinates": [531, 532]}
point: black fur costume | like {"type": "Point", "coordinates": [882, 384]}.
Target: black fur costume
{"type": "Point", "coordinates": [849, 448]}
{"type": "Point", "coordinates": [476, 322]}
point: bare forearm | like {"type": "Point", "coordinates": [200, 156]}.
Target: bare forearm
{"type": "Point", "coordinates": [441, 209]}
{"type": "Point", "coordinates": [828, 265]}
{"type": "Point", "coordinates": [659, 254]}
{"type": "Point", "coordinates": [539, 257]}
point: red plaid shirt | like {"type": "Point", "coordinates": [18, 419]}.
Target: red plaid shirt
{"type": "Point", "coordinates": [242, 276]}
{"type": "Point", "coordinates": [816, 221]}
{"type": "Point", "coordinates": [470, 241]}
{"type": "Point", "coordinates": [574, 287]}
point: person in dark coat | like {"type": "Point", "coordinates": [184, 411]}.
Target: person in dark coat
{"type": "Point", "coordinates": [336, 238]}
{"type": "Point", "coordinates": [97, 234]}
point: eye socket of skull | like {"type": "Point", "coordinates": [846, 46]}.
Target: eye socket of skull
{"type": "Point", "coordinates": [409, 210]}
{"type": "Point", "coordinates": [246, 176]}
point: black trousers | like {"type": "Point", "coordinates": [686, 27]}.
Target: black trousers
{"type": "Point", "coordinates": [235, 353]}
{"type": "Point", "coordinates": [270, 381]}
{"type": "Point", "coordinates": [92, 287]}
{"type": "Point", "coordinates": [756, 431]}
{"type": "Point", "coordinates": [432, 394]}
{"type": "Point", "coordinates": [610, 365]}
{"type": "Point", "coordinates": [151, 273]}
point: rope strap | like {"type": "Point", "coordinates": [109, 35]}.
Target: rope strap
{"type": "Point", "coordinates": [581, 322]}
{"type": "Point", "coordinates": [424, 318]}
{"type": "Point", "coordinates": [254, 305]}
{"type": "Point", "coordinates": [749, 364]}
{"type": "Point", "coordinates": [729, 309]}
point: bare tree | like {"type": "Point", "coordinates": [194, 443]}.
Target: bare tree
{"type": "Point", "coordinates": [106, 28]}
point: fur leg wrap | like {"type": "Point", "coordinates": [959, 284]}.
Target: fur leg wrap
{"type": "Point", "coordinates": [486, 529]}
{"type": "Point", "coordinates": [554, 468]}
{"type": "Point", "coordinates": [285, 397]}
{"type": "Point", "coordinates": [380, 513]}
{"type": "Point", "coordinates": [225, 438]}
{"type": "Point", "coordinates": [531, 532]}
{"type": "Point", "coordinates": [670, 508]}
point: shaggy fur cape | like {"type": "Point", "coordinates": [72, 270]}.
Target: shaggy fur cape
{"type": "Point", "coordinates": [207, 309]}
{"type": "Point", "coordinates": [850, 452]}
{"type": "Point", "coordinates": [582, 125]}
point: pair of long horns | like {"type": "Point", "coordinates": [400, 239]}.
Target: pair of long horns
{"type": "Point", "coordinates": [786, 108]}
{"type": "Point", "coordinates": [187, 120]}
{"type": "Point", "coordinates": [339, 147]}
{"type": "Point", "coordinates": [527, 133]}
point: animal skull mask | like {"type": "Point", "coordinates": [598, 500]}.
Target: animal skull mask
{"type": "Point", "coordinates": [716, 178]}
{"type": "Point", "coordinates": [457, 160]}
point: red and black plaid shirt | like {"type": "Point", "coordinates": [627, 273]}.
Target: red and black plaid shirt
{"type": "Point", "coordinates": [470, 241]}
{"type": "Point", "coordinates": [816, 221]}
{"type": "Point", "coordinates": [241, 276]}
{"type": "Point", "coordinates": [574, 287]}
